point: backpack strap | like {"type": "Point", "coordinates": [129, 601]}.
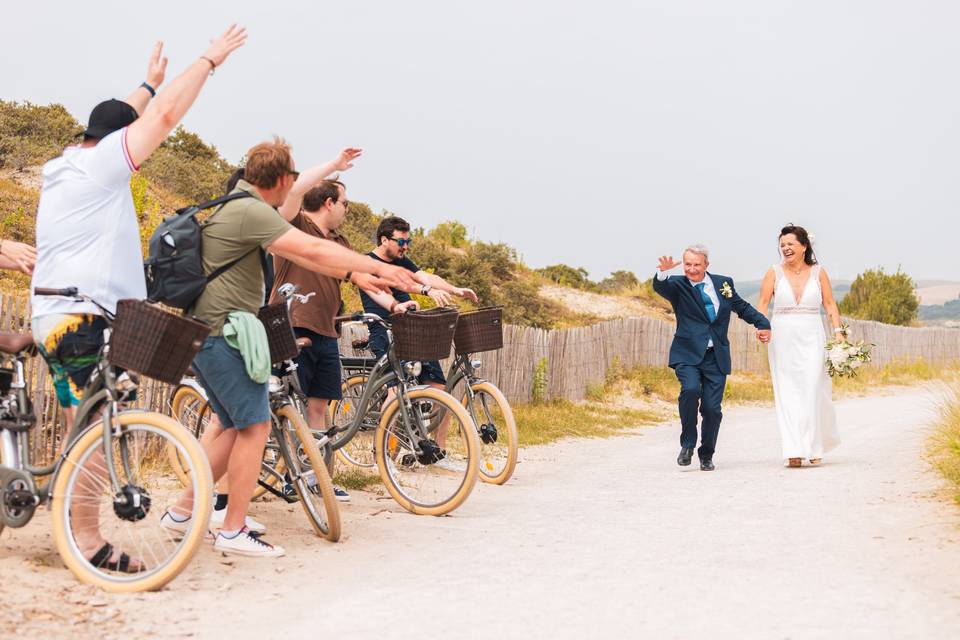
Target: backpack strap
{"type": "Point", "coordinates": [219, 202]}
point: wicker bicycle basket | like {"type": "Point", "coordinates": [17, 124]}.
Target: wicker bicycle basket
{"type": "Point", "coordinates": [480, 330]}
{"type": "Point", "coordinates": [283, 342]}
{"type": "Point", "coordinates": [424, 335]}
{"type": "Point", "coordinates": [154, 342]}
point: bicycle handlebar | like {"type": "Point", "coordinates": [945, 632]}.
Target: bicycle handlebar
{"type": "Point", "coordinates": [67, 292]}
{"type": "Point", "coordinates": [362, 317]}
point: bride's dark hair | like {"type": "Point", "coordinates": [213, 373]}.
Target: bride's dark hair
{"type": "Point", "coordinates": [803, 238]}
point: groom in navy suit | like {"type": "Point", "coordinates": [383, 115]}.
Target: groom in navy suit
{"type": "Point", "coordinates": [700, 353]}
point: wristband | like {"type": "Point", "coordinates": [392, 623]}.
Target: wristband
{"type": "Point", "coordinates": [153, 92]}
{"type": "Point", "coordinates": [213, 65]}
{"type": "Point", "coordinates": [393, 306]}
{"type": "Point", "coordinates": [346, 278]}
{"type": "Point", "coordinates": [425, 289]}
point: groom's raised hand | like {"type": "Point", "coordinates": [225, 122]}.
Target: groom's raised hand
{"type": "Point", "coordinates": [667, 263]}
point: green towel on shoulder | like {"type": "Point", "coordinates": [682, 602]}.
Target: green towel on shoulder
{"type": "Point", "coordinates": [244, 332]}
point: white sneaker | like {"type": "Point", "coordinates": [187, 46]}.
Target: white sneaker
{"type": "Point", "coordinates": [452, 466]}
{"type": "Point", "coordinates": [178, 528]}
{"type": "Point", "coordinates": [217, 518]}
{"type": "Point", "coordinates": [247, 543]}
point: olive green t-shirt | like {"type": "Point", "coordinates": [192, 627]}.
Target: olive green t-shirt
{"type": "Point", "coordinates": [230, 232]}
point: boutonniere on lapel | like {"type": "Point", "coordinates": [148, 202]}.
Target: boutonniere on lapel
{"type": "Point", "coordinates": [726, 291]}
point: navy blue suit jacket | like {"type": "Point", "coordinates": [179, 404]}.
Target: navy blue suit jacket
{"type": "Point", "coordinates": [694, 329]}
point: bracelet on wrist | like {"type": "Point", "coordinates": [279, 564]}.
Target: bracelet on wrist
{"type": "Point", "coordinates": [393, 306]}
{"type": "Point", "coordinates": [346, 278]}
{"type": "Point", "coordinates": [213, 65]}
{"type": "Point", "coordinates": [146, 85]}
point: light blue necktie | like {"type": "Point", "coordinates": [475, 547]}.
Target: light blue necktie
{"type": "Point", "coordinates": [707, 302]}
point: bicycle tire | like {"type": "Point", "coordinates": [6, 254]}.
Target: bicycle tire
{"type": "Point", "coordinates": [329, 528]}
{"type": "Point", "coordinates": [490, 471]}
{"type": "Point", "coordinates": [388, 469]}
{"type": "Point", "coordinates": [74, 461]}
{"type": "Point", "coordinates": [352, 451]}
{"type": "Point", "coordinates": [190, 408]}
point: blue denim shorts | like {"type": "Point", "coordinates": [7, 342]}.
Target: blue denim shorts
{"type": "Point", "coordinates": [318, 366]}
{"type": "Point", "coordinates": [237, 400]}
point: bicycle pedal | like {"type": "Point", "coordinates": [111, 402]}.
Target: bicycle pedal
{"type": "Point", "coordinates": [408, 459]}
{"type": "Point", "coordinates": [488, 433]}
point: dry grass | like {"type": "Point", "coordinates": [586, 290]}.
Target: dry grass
{"type": "Point", "coordinates": [355, 478]}
{"type": "Point", "coordinates": [551, 421]}
{"type": "Point", "coordinates": [944, 445]}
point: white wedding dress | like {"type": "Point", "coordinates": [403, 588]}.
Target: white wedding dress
{"type": "Point", "coordinates": [802, 390]}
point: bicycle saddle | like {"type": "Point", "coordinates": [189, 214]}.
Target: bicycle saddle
{"type": "Point", "coordinates": [14, 343]}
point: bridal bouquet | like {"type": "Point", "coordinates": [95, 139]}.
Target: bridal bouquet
{"type": "Point", "coordinates": [845, 358]}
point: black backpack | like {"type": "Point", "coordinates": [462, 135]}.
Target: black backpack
{"type": "Point", "coordinates": [174, 268]}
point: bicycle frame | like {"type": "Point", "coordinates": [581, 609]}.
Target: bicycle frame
{"type": "Point", "coordinates": [100, 392]}
{"type": "Point", "coordinates": [387, 369]}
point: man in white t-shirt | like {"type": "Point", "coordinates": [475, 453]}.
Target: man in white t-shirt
{"type": "Point", "coordinates": [88, 238]}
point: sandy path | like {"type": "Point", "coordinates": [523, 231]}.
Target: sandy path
{"type": "Point", "coordinates": [590, 539]}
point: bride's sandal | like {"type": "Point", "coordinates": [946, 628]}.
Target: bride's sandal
{"type": "Point", "coordinates": [794, 463]}
{"type": "Point", "coordinates": [815, 461]}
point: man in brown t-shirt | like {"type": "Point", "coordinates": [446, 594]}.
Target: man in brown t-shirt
{"type": "Point", "coordinates": [318, 365]}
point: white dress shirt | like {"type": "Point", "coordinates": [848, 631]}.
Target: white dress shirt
{"type": "Point", "coordinates": [708, 288]}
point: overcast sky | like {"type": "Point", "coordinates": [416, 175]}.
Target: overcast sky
{"type": "Point", "coordinates": [595, 134]}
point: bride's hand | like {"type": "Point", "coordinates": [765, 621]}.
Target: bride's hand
{"type": "Point", "coordinates": [764, 335]}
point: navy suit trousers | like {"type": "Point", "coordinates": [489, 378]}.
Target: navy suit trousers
{"type": "Point", "coordinates": [701, 389]}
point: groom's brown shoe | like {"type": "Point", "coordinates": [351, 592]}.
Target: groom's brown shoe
{"type": "Point", "coordinates": [686, 455]}
{"type": "Point", "coordinates": [707, 465]}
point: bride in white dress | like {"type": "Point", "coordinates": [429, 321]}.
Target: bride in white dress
{"type": "Point", "coordinates": [801, 387]}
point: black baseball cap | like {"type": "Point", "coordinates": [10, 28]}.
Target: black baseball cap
{"type": "Point", "coordinates": [109, 116]}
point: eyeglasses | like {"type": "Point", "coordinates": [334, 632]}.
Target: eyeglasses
{"type": "Point", "coordinates": [295, 174]}
{"type": "Point", "coordinates": [402, 242]}
{"type": "Point", "coordinates": [345, 203]}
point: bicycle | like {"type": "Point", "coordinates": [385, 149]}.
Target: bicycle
{"type": "Point", "coordinates": [120, 470]}
{"type": "Point", "coordinates": [294, 454]}
{"type": "Point", "coordinates": [404, 452]}
{"type": "Point", "coordinates": [486, 404]}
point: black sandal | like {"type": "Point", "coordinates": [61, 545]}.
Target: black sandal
{"type": "Point", "coordinates": [101, 560]}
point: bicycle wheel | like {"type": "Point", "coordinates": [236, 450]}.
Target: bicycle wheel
{"type": "Point", "coordinates": [189, 407]}
{"type": "Point", "coordinates": [497, 431]}
{"type": "Point", "coordinates": [358, 451]}
{"type": "Point", "coordinates": [84, 509]}
{"type": "Point", "coordinates": [306, 461]}
{"type": "Point", "coordinates": [421, 486]}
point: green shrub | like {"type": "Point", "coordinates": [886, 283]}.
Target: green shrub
{"type": "Point", "coordinates": [186, 165]}
{"type": "Point", "coordinates": [887, 298]}
{"type": "Point", "coordinates": [32, 134]}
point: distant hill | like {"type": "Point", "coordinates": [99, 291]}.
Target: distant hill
{"type": "Point", "coordinates": [940, 313]}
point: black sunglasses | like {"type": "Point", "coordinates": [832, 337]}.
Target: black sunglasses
{"type": "Point", "coordinates": [402, 242]}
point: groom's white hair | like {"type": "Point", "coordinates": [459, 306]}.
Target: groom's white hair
{"type": "Point", "coordinates": [700, 249]}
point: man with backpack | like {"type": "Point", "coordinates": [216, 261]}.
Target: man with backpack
{"type": "Point", "coordinates": [88, 238]}
{"type": "Point", "coordinates": [237, 234]}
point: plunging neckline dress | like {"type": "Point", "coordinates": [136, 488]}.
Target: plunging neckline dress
{"type": "Point", "coordinates": [802, 390]}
